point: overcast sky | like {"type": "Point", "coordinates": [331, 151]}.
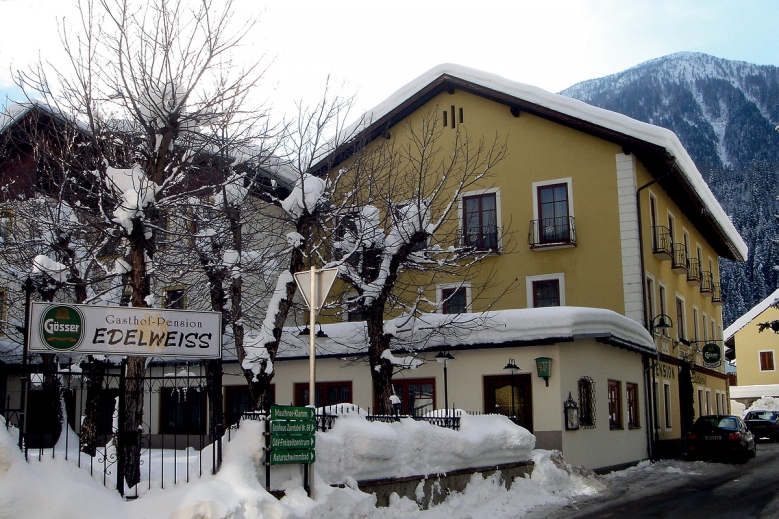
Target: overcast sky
{"type": "Point", "coordinates": [376, 47]}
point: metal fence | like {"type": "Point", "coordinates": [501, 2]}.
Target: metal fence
{"type": "Point", "coordinates": [79, 418]}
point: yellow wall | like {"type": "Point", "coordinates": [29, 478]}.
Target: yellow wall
{"type": "Point", "coordinates": [749, 342]}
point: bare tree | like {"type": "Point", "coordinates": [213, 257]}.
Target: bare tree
{"type": "Point", "coordinates": [395, 233]}
{"type": "Point", "coordinates": [147, 80]}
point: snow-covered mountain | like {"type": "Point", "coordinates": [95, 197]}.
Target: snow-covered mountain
{"type": "Point", "coordinates": [724, 113]}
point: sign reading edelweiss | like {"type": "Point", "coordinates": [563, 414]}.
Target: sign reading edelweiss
{"type": "Point", "coordinates": [104, 330]}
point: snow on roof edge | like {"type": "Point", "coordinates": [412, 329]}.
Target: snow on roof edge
{"type": "Point", "coordinates": [494, 327]}
{"type": "Point", "coordinates": [574, 108]}
{"type": "Point", "coordinates": [750, 315]}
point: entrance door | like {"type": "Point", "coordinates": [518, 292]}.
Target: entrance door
{"type": "Point", "coordinates": [510, 396]}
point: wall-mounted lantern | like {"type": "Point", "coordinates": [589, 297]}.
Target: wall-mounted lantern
{"type": "Point", "coordinates": [544, 368]}
{"type": "Point", "coordinates": [571, 413]}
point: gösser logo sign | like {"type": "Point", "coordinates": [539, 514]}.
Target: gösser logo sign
{"type": "Point", "coordinates": [711, 355]}
{"type": "Point", "coordinates": [62, 328]}
{"type": "Point", "coordinates": [103, 330]}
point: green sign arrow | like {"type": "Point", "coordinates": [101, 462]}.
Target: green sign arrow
{"type": "Point", "coordinates": [301, 427]}
{"type": "Point", "coordinates": [288, 412]}
{"type": "Point", "coordinates": [283, 456]}
{"type": "Point", "coordinates": [292, 442]}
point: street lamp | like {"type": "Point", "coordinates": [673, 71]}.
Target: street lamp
{"type": "Point", "coordinates": [664, 322]}
{"type": "Point", "coordinates": [443, 358]}
{"type": "Point", "coordinates": [512, 368]}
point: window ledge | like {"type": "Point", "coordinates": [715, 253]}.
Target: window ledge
{"type": "Point", "coordinates": [552, 246]}
{"type": "Point", "coordinates": [616, 428]}
{"type": "Point", "coordinates": [632, 427]}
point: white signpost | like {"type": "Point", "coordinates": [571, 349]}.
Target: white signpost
{"type": "Point", "coordinates": [314, 285]}
{"type": "Point", "coordinates": [112, 330]}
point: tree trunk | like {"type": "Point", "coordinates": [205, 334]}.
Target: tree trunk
{"type": "Point", "coordinates": [95, 374]}
{"type": "Point", "coordinates": [381, 368]}
{"type": "Point", "coordinates": [131, 424]}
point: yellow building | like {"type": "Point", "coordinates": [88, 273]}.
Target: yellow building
{"type": "Point", "coordinates": [754, 352]}
{"type": "Point", "coordinates": [618, 218]}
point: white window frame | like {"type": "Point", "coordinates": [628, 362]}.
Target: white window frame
{"type": "Point", "coordinates": [568, 181]}
{"type": "Point", "coordinates": [667, 399]}
{"type": "Point", "coordinates": [559, 276]}
{"type": "Point", "coordinates": [695, 328]}
{"type": "Point", "coordinates": [759, 365]}
{"type": "Point", "coordinates": [653, 300]}
{"type": "Point", "coordinates": [461, 211]}
{"type": "Point", "coordinates": [705, 321]}
{"type": "Point", "coordinates": [708, 401]}
{"type": "Point", "coordinates": [699, 397]}
{"type": "Point", "coordinates": [663, 304]}
{"type": "Point", "coordinates": [681, 298]}
{"type": "Point", "coordinates": [439, 291]}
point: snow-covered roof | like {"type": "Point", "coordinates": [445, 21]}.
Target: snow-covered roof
{"type": "Point", "coordinates": [572, 108]}
{"type": "Point", "coordinates": [434, 331]}
{"type": "Point", "coordinates": [754, 391]}
{"type": "Point", "coordinates": [747, 318]}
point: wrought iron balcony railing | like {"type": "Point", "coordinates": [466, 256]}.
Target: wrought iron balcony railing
{"type": "Point", "coordinates": [552, 232]}
{"type": "Point", "coordinates": [661, 242]}
{"type": "Point", "coordinates": [716, 294]}
{"type": "Point", "coordinates": [707, 281]}
{"type": "Point", "coordinates": [694, 272]}
{"type": "Point", "coordinates": [680, 259]}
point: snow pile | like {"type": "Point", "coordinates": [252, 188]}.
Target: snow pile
{"type": "Point", "coordinates": [767, 403]}
{"type": "Point", "coordinates": [44, 265]}
{"type": "Point", "coordinates": [305, 196]}
{"type": "Point", "coordinates": [238, 489]}
{"type": "Point", "coordinates": [135, 192]}
{"type": "Point", "coordinates": [737, 408]}
{"type": "Point", "coordinates": [369, 450]}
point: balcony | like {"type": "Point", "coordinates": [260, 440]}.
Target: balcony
{"type": "Point", "coordinates": [662, 247]}
{"type": "Point", "coordinates": [707, 280]}
{"type": "Point", "coordinates": [679, 258]}
{"type": "Point", "coordinates": [552, 233]}
{"type": "Point", "coordinates": [694, 272]}
{"type": "Point", "coordinates": [716, 295]}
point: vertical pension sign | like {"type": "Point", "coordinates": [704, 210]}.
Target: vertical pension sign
{"type": "Point", "coordinates": [110, 330]}
{"type": "Point", "coordinates": [292, 435]}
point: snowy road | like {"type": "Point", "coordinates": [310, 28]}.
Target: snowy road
{"type": "Point", "coordinates": [678, 489]}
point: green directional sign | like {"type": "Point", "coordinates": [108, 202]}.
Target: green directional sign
{"type": "Point", "coordinates": [288, 412]}
{"type": "Point", "coordinates": [292, 442]}
{"type": "Point", "coordinates": [284, 456]}
{"type": "Point", "coordinates": [293, 427]}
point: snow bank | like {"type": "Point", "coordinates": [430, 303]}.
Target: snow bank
{"type": "Point", "coordinates": [305, 195]}
{"type": "Point", "coordinates": [369, 450]}
{"type": "Point", "coordinates": [237, 491]}
{"type": "Point", "coordinates": [767, 403]}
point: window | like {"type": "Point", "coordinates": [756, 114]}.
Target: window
{"type": "Point", "coordinates": [667, 403]}
{"type": "Point", "coordinates": [182, 411]}
{"type": "Point", "coordinates": [631, 390]}
{"type": "Point", "coordinates": [615, 404]}
{"type": "Point", "coordinates": [417, 396]}
{"type": "Point", "coordinates": [708, 401]}
{"type": "Point", "coordinates": [480, 221]}
{"type": "Point", "coordinates": [767, 360]}
{"type": "Point", "coordinates": [327, 393]}
{"type": "Point", "coordinates": [653, 220]}
{"type": "Point", "coordinates": [701, 410]}
{"type": "Point", "coordinates": [454, 300]}
{"type": "Point", "coordinates": [174, 299]}
{"type": "Point", "coordinates": [686, 238]}
{"type": "Point", "coordinates": [238, 401]}
{"type": "Point", "coordinates": [661, 298]}
{"type": "Point", "coordinates": [695, 324]}
{"type": "Point", "coordinates": [680, 318]}
{"type": "Point", "coordinates": [586, 402]}
{"type": "Point", "coordinates": [704, 327]}
{"type": "Point", "coordinates": [650, 299]}
{"type": "Point", "coordinates": [546, 293]}
{"type": "Point", "coordinates": [545, 290]}
{"type": "Point", "coordinates": [553, 216]}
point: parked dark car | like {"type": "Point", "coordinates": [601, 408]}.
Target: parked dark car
{"type": "Point", "coordinates": [763, 424]}
{"type": "Point", "coordinates": [720, 436]}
